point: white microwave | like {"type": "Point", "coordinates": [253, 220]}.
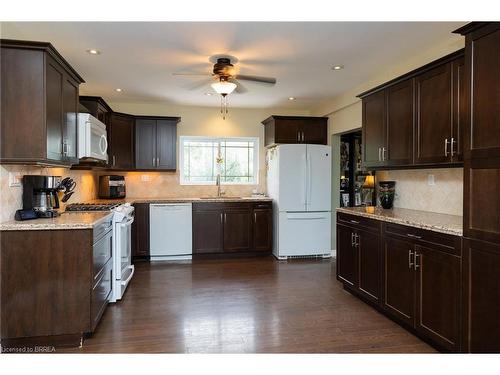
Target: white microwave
{"type": "Point", "coordinates": [92, 138]}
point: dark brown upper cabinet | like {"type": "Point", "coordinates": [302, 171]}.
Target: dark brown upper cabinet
{"type": "Point", "coordinates": [121, 141]}
{"type": "Point", "coordinates": [296, 129]}
{"type": "Point", "coordinates": [97, 107]}
{"type": "Point", "coordinates": [155, 142]}
{"type": "Point", "coordinates": [39, 105]}
{"type": "Point", "coordinates": [416, 120]}
{"type": "Point", "coordinates": [374, 129]}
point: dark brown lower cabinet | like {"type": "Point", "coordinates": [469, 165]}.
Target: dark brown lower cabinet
{"type": "Point", "coordinates": [56, 285]}
{"type": "Point", "coordinates": [481, 296]}
{"type": "Point", "coordinates": [412, 275]}
{"type": "Point", "coordinates": [207, 230]}
{"type": "Point", "coordinates": [399, 280]}
{"type": "Point", "coordinates": [438, 296]}
{"type": "Point", "coordinates": [358, 260]}
{"type": "Point", "coordinates": [140, 231]}
{"type": "Point", "coordinates": [232, 228]}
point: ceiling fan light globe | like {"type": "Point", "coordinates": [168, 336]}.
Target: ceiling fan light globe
{"type": "Point", "coordinates": [223, 87]}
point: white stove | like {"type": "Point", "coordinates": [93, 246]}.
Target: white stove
{"type": "Point", "coordinates": [123, 269]}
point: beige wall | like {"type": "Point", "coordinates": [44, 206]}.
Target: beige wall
{"type": "Point", "coordinates": [201, 121]}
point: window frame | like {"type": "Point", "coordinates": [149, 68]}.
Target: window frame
{"type": "Point", "coordinates": [215, 139]}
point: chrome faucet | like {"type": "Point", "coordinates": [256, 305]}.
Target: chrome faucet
{"type": "Point", "coordinates": [217, 182]}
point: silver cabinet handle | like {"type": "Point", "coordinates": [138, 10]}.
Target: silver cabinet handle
{"type": "Point", "coordinates": [356, 240]}
{"type": "Point", "coordinates": [410, 255]}
{"type": "Point", "coordinates": [65, 148]}
{"type": "Point", "coordinates": [413, 236]}
{"type": "Point", "coordinates": [417, 256]}
{"type": "Point", "coordinates": [446, 146]}
{"type": "Point", "coordinates": [221, 217]}
{"type": "Point", "coordinates": [452, 148]}
{"type": "Point", "coordinates": [298, 136]}
{"type": "Point", "coordinates": [383, 153]}
{"type": "Point", "coordinates": [153, 162]}
{"type": "Point", "coordinates": [354, 221]}
{"type": "Point", "coordinates": [114, 160]}
{"type": "Point", "coordinates": [157, 162]}
{"type": "Point", "coordinates": [352, 239]}
{"type": "Point", "coordinates": [303, 137]}
{"type": "Point", "coordinates": [255, 217]}
{"type": "Point", "coordinates": [225, 218]}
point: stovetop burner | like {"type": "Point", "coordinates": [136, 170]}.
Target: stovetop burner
{"type": "Point", "coordinates": [91, 206]}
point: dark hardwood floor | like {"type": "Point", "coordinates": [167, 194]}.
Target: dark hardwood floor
{"type": "Point", "coordinates": [255, 305]}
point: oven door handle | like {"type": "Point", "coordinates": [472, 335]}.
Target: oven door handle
{"type": "Point", "coordinates": [127, 223]}
{"type": "Point", "coordinates": [131, 267]}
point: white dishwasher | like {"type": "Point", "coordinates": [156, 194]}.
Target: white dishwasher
{"type": "Point", "coordinates": [171, 231]}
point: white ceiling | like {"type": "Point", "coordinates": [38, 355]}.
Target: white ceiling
{"type": "Point", "coordinates": [141, 57]}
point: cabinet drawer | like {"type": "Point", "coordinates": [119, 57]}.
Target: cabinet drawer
{"type": "Point", "coordinates": [102, 252]}
{"type": "Point", "coordinates": [447, 242]}
{"type": "Point", "coordinates": [263, 205]}
{"type": "Point", "coordinates": [217, 206]}
{"type": "Point", "coordinates": [358, 221]}
{"type": "Point", "coordinates": [102, 228]}
{"type": "Point", "coordinates": [101, 293]}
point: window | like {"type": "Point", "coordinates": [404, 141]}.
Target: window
{"type": "Point", "coordinates": [202, 158]}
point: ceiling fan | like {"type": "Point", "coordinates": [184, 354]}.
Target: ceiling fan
{"type": "Point", "coordinates": [226, 79]}
{"type": "Point", "coordinates": [226, 76]}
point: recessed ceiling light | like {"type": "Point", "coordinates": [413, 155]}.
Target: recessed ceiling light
{"type": "Point", "coordinates": [94, 51]}
{"type": "Point", "coordinates": [118, 90]}
{"type": "Point", "coordinates": [337, 67]}
{"type": "Point", "coordinates": [291, 98]}
{"type": "Point", "coordinates": [208, 94]}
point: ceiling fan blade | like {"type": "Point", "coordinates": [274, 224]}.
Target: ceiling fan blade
{"type": "Point", "coordinates": [191, 74]}
{"type": "Point", "coordinates": [198, 84]}
{"type": "Point", "coordinates": [240, 89]}
{"type": "Point", "coordinates": [268, 80]}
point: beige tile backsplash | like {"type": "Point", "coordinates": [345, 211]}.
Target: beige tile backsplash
{"type": "Point", "coordinates": [139, 185]}
{"type": "Point", "coordinates": [413, 191]}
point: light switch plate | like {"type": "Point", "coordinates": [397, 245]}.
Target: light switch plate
{"type": "Point", "coordinates": [430, 180]}
{"type": "Point", "coordinates": [15, 179]}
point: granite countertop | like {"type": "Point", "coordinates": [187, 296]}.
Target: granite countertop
{"type": "Point", "coordinates": [443, 223]}
{"type": "Point", "coordinates": [182, 200]}
{"type": "Point", "coordinates": [67, 220]}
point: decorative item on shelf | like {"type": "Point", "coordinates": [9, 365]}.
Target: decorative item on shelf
{"type": "Point", "coordinates": [368, 188]}
{"type": "Point", "coordinates": [387, 191]}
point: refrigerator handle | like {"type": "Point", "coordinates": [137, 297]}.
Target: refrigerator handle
{"type": "Point", "coordinates": [304, 200]}
{"type": "Point", "coordinates": [309, 180]}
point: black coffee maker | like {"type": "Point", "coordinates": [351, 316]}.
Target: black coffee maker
{"type": "Point", "coordinates": [40, 195]}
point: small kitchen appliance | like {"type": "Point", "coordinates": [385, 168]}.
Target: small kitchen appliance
{"type": "Point", "coordinates": [40, 195]}
{"type": "Point", "coordinates": [112, 187]}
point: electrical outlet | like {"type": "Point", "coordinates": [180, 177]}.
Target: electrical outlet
{"type": "Point", "coordinates": [430, 180]}
{"type": "Point", "coordinates": [145, 178]}
{"type": "Point", "coordinates": [15, 179]}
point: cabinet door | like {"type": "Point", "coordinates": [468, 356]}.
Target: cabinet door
{"type": "Point", "coordinates": [484, 65]}
{"type": "Point", "coordinates": [166, 139]}
{"type": "Point", "coordinates": [70, 120]}
{"type": "Point", "coordinates": [399, 280]}
{"type": "Point", "coordinates": [121, 141]}
{"type": "Point", "coordinates": [54, 103]}
{"type": "Point", "coordinates": [369, 264]}
{"type": "Point", "coordinates": [438, 296]}
{"type": "Point", "coordinates": [400, 117]}
{"type": "Point", "coordinates": [315, 131]}
{"type": "Point", "coordinates": [262, 229]}
{"type": "Point", "coordinates": [434, 116]}
{"type": "Point", "coordinates": [459, 109]}
{"type": "Point", "coordinates": [140, 230]}
{"type": "Point", "coordinates": [145, 144]}
{"type": "Point", "coordinates": [347, 258]}
{"type": "Point", "coordinates": [287, 130]}
{"type": "Point", "coordinates": [482, 296]}
{"type": "Point", "coordinates": [237, 230]}
{"type": "Point", "coordinates": [207, 231]}
{"type": "Point", "coordinates": [373, 129]}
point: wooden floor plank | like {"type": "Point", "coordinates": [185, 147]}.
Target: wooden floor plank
{"type": "Point", "coordinates": [254, 305]}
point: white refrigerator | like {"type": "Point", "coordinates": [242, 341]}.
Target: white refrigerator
{"type": "Point", "coordinates": [299, 181]}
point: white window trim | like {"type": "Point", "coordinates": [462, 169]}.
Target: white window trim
{"type": "Point", "coordinates": [256, 163]}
